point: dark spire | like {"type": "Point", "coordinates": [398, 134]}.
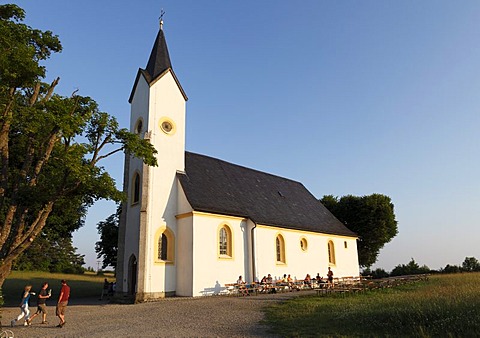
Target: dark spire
{"type": "Point", "coordinates": [159, 60]}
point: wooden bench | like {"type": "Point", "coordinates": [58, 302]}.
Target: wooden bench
{"type": "Point", "coordinates": [234, 289]}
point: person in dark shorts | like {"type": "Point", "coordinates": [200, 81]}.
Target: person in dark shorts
{"type": "Point", "coordinates": [43, 295]}
{"type": "Point", "coordinates": [330, 278]}
{"type": "Point", "coordinates": [62, 302]}
{"type": "Point", "coordinates": [106, 286]}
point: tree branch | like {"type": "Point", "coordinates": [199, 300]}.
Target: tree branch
{"type": "Point", "coordinates": [109, 154]}
{"type": "Point", "coordinates": [51, 89]}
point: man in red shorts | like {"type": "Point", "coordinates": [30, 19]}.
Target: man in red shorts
{"type": "Point", "coordinates": [63, 302]}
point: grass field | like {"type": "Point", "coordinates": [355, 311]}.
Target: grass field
{"type": "Point", "coordinates": [443, 306]}
{"type": "Point", "coordinates": [82, 286]}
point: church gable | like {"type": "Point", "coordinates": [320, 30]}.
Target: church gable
{"type": "Point", "coordinates": [216, 186]}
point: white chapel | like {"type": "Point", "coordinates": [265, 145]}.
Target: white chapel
{"type": "Point", "coordinates": [195, 223]}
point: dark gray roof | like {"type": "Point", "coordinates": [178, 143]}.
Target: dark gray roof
{"type": "Point", "coordinates": [216, 186]}
{"type": "Point", "coordinates": [157, 65]}
{"type": "Point", "coordinates": [159, 60]}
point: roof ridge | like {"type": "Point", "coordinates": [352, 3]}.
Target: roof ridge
{"type": "Point", "coordinates": [246, 168]}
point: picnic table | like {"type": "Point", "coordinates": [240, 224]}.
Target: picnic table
{"type": "Point", "coordinates": [236, 289]}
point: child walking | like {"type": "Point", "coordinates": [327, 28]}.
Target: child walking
{"type": "Point", "coordinates": [24, 306]}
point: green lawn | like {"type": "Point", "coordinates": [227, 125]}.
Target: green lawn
{"type": "Point", "coordinates": [82, 286]}
{"type": "Point", "coordinates": [443, 306]}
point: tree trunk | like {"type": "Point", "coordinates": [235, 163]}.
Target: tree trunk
{"type": "Point", "coordinates": [5, 269]}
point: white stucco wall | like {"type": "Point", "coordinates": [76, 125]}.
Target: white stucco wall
{"type": "Point", "coordinates": [299, 262]}
{"type": "Point", "coordinates": [139, 110]}
{"type": "Point", "coordinates": [166, 102]}
{"type": "Point", "coordinates": [154, 103]}
{"type": "Point", "coordinates": [211, 271]}
{"type": "Point", "coordinates": [184, 256]}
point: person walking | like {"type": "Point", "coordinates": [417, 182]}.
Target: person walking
{"type": "Point", "coordinates": [106, 286]}
{"type": "Point", "coordinates": [43, 295]}
{"type": "Point", "coordinates": [62, 302]}
{"type": "Point", "coordinates": [24, 306]}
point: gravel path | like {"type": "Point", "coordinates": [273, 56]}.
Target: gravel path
{"type": "Point", "coordinates": [216, 316]}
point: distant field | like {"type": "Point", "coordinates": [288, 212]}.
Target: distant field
{"type": "Point", "coordinates": [443, 306]}
{"type": "Point", "coordinates": [82, 286]}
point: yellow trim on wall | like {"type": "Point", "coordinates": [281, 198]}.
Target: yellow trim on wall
{"type": "Point", "coordinates": [263, 226]}
{"type": "Point", "coordinates": [207, 214]}
{"type": "Point", "coordinates": [185, 215]}
{"type": "Point", "coordinates": [170, 245]}
{"type": "Point", "coordinates": [164, 119]}
{"type": "Point", "coordinates": [230, 241]}
{"type": "Point", "coordinates": [283, 250]}
{"type": "Point", "coordinates": [332, 260]}
{"type": "Point", "coordinates": [303, 243]}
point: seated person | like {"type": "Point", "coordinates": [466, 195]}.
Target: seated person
{"type": "Point", "coordinates": [291, 284]}
{"type": "Point", "coordinates": [307, 281]}
{"type": "Point", "coordinates": [319, 280]}
{"type": "Point", "coordinates": [270, 286]}
{"type": "Point", "coordinates": [242, 287]}
{"type": "Point", "coordinates": [263, 284]}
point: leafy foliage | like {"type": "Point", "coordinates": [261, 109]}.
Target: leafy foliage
{"type": "Point", "coordinates": [470, 264]}
{"type": "Point", "coordinates": [56, 256]}
{"type": "Point", "coordinates": [451, 269]}
{"type": "Point", "coordinates": [50, 145]}
{"type": "Point", "coordinates": [107, 247]}
{"type": "Point", "coordinates": [412, 268]}
{"type": "Point", "coordinates": [372, 217]}
{"type": "Point", "coordinates": [376, 274]}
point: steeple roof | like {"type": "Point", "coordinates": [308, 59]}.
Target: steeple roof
{"type": "Point", "coordinates": [159, 60]}
{"type": "Point", "coordinates": [158, 64]}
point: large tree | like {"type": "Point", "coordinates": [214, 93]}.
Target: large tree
{"type": "Point", "coordinates": [471, 264]}
{"type": "Point", "coordinates": [372, 217]}
{"type": "Point", "coordinates": [51, 146]}
{"type": "Point", "coordinates": [107, 247]}
{"type": "Point", "coordinates": [53, 249]}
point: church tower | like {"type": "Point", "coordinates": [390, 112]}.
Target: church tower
{"type": "Point", "coordinates": [146, 250]}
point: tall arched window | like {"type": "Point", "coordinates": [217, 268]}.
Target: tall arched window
{"type": "Point", "coordinates": [280, 249]}
{"type": "Point", "coordinates": [139, 126]}
{"type": "Point", "coordinates": [164, 246]}
{"type": "Point", "coordinates": [136, 189]}
{"type": "Point", "coordinates": [331, 252]}
{"type": "Point", "coordinates": [225, 241]}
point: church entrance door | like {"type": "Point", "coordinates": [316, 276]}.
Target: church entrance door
{"type": "Point", "coordinates": [132, 275]}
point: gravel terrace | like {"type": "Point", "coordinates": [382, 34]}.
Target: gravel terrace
{"type": "Point", "coordinates": [214, 316]}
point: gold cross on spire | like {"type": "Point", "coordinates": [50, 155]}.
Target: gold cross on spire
{"type": "Point", "coordinates": [162, 13]}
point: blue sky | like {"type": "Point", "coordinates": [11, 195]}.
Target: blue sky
{"type": "Point", "coordinates": [351, 97]}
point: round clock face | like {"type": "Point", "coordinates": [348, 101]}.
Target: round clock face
{"type": "Point", "coordinates": [167, 126]}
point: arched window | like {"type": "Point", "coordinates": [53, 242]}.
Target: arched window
{"type": "Point", "coordinates": [139, 126]}
{"type": "Point", "coordinates": [225, 241]}
{"type": "Point", "coordinates": [331, 252]}
{"type": "Point", "coordinates": [136, 188]}
{"type": "Point", "coordinates": [280, 249]}
{"type": "Point", "coordinates": [303, 244]}
{"type": "Point", "coordinates": [164, 246]}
